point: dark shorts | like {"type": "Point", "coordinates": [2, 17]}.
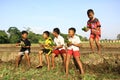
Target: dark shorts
{"type": "Point", "coordinates": [46, 51]}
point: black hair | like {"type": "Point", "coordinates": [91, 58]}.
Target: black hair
{"type": "Point", "coordinates": [24, 32]}
{"type": "Point", "coordinates": [90, 11]}
{"type": "Point", "coordinates": [73, 29]}
{"type": "Point", "coordinates": [57, 30]}
{"type": "Point", "coordinates": [47, 33]}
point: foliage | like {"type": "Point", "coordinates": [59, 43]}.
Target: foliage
{"type": "Point", "coordinates": [34, 38]}
{"type": "Point", "coordinates": [118, 36]}
{"type": "Point", "coordinates": [14, 33]}
{"type": "Point", "coordinates": [3, 37]}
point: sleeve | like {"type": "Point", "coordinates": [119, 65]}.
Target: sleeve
{"type": "Point", "coordinates": [28, 43]}
{"type": "Point", "coordinates": [98, 23]}
{"type": "Point", "coordinates": [88, 25]}
{"type": "Point", "coordinates": [62, 41]}
{"type": "Point", "coordinates": [78, 40]}
{"type": "Point", "coordinates": [49, 42]}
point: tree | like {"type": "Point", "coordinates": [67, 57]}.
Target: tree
{"type": "Point", "coordinates": [14, 34]}
{"type": "Point", "coordinates": [34, 38]}
{"type": "Point", "coordinates": [118, 36]}
{"type": "Point", "coordinates": [3, 37]}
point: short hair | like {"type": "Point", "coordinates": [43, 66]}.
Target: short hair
{"type": "Point", "coordinates": [24, 32]}
{"type": "Point", "coordinates": [73, 29]}
{"type": "Point", "coordinates": [47, 33]}
{"type": "Point", "coordinates": [57, 30]}
{"type": "Point", "coordinates": [90, 11]}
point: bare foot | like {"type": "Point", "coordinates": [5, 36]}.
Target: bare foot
{"type": "Point", "coordinates": [39, 66]}
{"type": "Point", "coordinates": [66, 75]}
{"type": "Point", "coordinates": [82, 72]}
{"type": "Point", "coordinates": [48, 69]}
{"type": "Point", "coordinates": [53, 68]}
{"type": "Point", "coordinates": [99, 52]}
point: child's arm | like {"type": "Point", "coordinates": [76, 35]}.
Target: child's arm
{"type": "Point", "coordinates": [77, 45]}
{"type": "Point", "coordinates": [17, 44]}
{"type": "Point", "coordinates": [27, 46]}
{"type": "Point", "coordinates": [58, 47]}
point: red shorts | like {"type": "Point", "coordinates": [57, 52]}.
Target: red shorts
{"type": "Point", "coordinates": [74, 53]}
{"type": "Point", "coordinates": [95, 36]}
{"type": "Point", "coordinates": [56, 51]}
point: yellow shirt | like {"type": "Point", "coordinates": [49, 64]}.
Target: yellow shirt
{"type": "Point", "coordinates": [48, 43]}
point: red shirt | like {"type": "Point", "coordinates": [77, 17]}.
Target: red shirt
{"type": "Point", "coordinates": [93, 25]}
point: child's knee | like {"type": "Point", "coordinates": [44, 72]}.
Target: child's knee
{"type": "Point", "coordinates": [40, 52]}
{"type": "Point", "coordinates": [53, 54]}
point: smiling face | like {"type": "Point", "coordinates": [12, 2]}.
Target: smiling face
{"type": "Point", "coordinates": [91, 15]}
{"type": "Point", "coordinates": [45, 36]}
{"type": "Point", "coordinates": [55, 34]}
{"type": "Point", "coordinates": [24, 36]}
{"type": "Point", "coordinates": [71, 33]}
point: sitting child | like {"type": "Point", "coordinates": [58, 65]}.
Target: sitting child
{"type": "Point", "coordinates": [47, 49]}
{"type": "Point", "coordinates": [73, 49]}
{"type": "Point", "coordinates": [25, 48]}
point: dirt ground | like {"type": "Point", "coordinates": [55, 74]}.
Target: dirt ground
{"type": "Point", "coordinates": [97, 67]}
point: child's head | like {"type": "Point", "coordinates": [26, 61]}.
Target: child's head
{"type": "Point", "coordinates": [71, 32]}
{"type": "Point", "coordinates": [56, 32]}
{"type": "Point", "coordinates": [90, 14]}
{"type": "Point", "coordinates": [24, 34]}
{"type": "Point", "coordinates": [46, 34]}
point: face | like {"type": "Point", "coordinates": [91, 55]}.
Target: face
{"type": "Point", "coordinates": [45, 36]}
{"type": "Point", "coordinates": [90, 15]}
{"type": "Point", "coordinates": [24, 36]}
{"type": "Point", "coordinates": [71, 33]}
{"type": "Point", "coordinates": [54, 34]}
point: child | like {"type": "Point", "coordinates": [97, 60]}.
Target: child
{"type": "Point", "coordinates": [94, 25]}
{"type": "Point", "coordinates": [25, 48]}
{"type": "Point", "coordinates": [59, 48]}
{"type": "Point", "coordinates": [46, 49]}
{"type": "Point", "coordinates": [73, 49]}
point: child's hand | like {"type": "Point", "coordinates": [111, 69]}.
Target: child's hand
{"type": "Point", "coordinates": [43, 45]}
{"type": "Point", "coordinates": [70, 44]}
{"type": "Point", "coordinates": [54, 47]}
{"type": "Point", "coordinates": [94, 31]}
{"type": "Point", "coordinates": [85, 29]}
{"type": "Point", "coordinates": [18, 44]}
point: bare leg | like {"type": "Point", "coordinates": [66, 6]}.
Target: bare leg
{"type": "Point", "coordinates": [28, 59]}
{"type": "Point", "coordinates": [98, 45]}
{"type": "Point", "coordinates": [18, 60]}
{"type": "Point", "coordinates": [67, 63]}
{"type": "Point", "coordinates": [53, 60]}
{"type": "Point", "coordinates": [79, 64]}
{"type": "Point", "coordinates": [40, 58]}
{"type": "Point", "coordinates": [48, 61]}
{"type": "Point", "coordinates": [92, 44]}
{"type": "Point", "coordinates": [64, 59]}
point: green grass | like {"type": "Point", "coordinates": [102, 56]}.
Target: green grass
{"type": "Point", "coordinates": [9, 72]}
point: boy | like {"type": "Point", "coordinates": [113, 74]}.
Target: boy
{"type": "Point", "coordinates": [47, 50]}
{"type": "Point", "coordinates": [73, 49]}
{"type": "Point", "coordinates": [59, 48]}
{"type": "Point", "coordinates": [25, 48]}
{"type": "Point", "coordinates": [94, 25]}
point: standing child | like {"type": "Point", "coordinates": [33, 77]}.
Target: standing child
{"type": "Point", "coordinates": [94, 25]}
{"type": "Point", "coordinates": [25, 48]}
{"type": "Point", "coordinates": [73, 49]}
{"type": "Point", "coordinates": [47, 50]}
{"type": "Point", "coordinates": [59, 48]}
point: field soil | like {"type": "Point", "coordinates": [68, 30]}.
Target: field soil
{"type": "Point", "coordinates": [104, 66]}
